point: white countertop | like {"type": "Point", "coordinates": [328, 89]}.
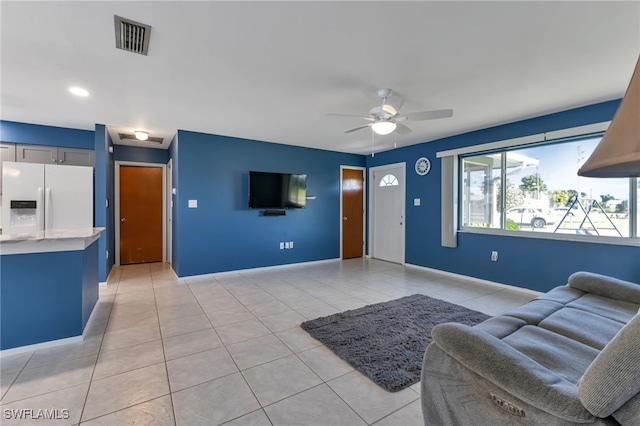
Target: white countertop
{"type": "Point", "coordinates": [49, 241]}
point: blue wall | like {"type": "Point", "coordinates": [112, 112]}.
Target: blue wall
{"type": "Point", "coordinates": [175, 199]}
{"type": "Point", "coordinates": [102, 213]}
{"type": "Point", "coordinates": [111, 229]}
{"type": "Point", "coordinates": [525, 262]}
{"type": "Point", "coordinates": [36, 134]}
{"type": "Point", "coordinates": [140, 154]}
{"type": "Point", "coordinates": [222, 234]}
{"type": "Point", "coordinates": [89, 281]}
{"type": "Point", "coordinates": [40, 303]}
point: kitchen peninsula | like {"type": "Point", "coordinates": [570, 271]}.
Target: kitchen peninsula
{"type": "Point", "coordinates": [48, 285]}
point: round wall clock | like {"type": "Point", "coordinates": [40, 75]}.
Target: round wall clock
{"type": "Point", "coordinates": [423, 165]}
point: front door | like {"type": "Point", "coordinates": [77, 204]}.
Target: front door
{"type": "Point", "coordinates": [352, 213]}
{"type": "Point", "coordinates": [140, 214]}
{"type": "Point", "coordinates": [388, 213]}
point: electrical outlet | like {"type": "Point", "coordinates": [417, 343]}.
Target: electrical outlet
{"type": "Point", "coordinates": [281, 246]}
{"type": "Point", "coordinates": [494, 256]}
{"type": "Point", "coordinates": [290, 244]}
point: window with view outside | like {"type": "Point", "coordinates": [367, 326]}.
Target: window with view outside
{"type": "Point", "coordinates": [543, 192]}
{"type": "Point", "coordinates": [480, 189]}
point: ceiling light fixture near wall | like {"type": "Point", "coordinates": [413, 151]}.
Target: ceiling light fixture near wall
{"type": "Point", "coordinates": [383, 127]}
{"type": "Point", "coordinates": [141, 135]}
{"type": "Point", "coordinates": [79, 91]}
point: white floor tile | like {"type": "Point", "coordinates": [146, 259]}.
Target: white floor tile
{"type": "Point", "coordinates": [199, 368]}
{"type": "Point", "coordinates": [257, 316]}
{"type": "Point", "coordinates": [280, 379]}
{"type": "Point", "coordinates": [125, 390]}
{"type": "Point", "coordinates": [319, 406]}
{"type": "Point", "coordinates": [370, 401]}
{"type": "Point", "coordinates": [214, 402]}
{"type": "Point", "coordinates": [157, 412]}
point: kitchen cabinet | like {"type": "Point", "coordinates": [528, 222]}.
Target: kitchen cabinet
{"type": "Point", "coordinates": [76, 157]}
{"type": "Point", "coordinates": [54, 155]}
{"type": "Point", "coordinates": [7, 153]}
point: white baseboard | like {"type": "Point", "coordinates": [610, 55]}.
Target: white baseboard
{"type": "Point", "coordinates": [261, 269]}
{"type": "Point", "coordinates": [474, 279]}
{"type": "Point", "coordinates": [43, 345]}
{"type": "Point", "coordinates": [91, 317]}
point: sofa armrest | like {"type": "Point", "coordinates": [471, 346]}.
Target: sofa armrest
{"type": "Point", "coordinates": [602, 285]}
{"type": "Point", "coordinates": [512, 371]}
{"type": "Point", "coordinates": [613, 378]}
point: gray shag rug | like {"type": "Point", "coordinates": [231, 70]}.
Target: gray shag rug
{"type": "Point", "coordinates": [386, 341]}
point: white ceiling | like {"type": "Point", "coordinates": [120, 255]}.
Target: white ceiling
{"type": "Point", "coordinates": [272, 70]}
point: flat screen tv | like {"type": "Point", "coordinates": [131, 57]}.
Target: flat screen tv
{"type": "Point", "coordinates": [277, 190]}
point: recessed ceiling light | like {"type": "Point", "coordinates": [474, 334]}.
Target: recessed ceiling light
{"type": "Point", "coordinates": [141, 135]}
{"type": "Point", "coordinates": [79, 91]}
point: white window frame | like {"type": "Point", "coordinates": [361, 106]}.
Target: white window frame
{"type": "Point", "coordinates": [451, 184]}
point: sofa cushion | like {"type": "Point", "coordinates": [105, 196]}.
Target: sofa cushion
{"type": "Point", "coordinates": [609, 287]}
{"type": "Point", "coordinates": [613, 378]}
{"type": "Point", "coordinates": [535, 311]}
{"type": "Point", "coordinates": [563, 294]}
{"type": "Point", "coordinates": [501, 326]}
{"type": "Point", "coordinates": [553, 351]}
{"type": "Point", "coordinates": [585, 327]}
{"type": "Point", "coordinates": [617, 310]}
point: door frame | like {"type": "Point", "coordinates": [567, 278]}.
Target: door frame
{"type": "Point", "coordinates": [116, 209]}
{"type": "Point", "coordinates": [372, 195]}
{"type": "Point", "coordinates": [364, 207]}
{"type": "Point", "coordinates": [169, 211]}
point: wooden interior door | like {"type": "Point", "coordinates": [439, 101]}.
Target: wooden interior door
{"type": "Point", "coordinates": [140, 214]}
{"type": "Point", "coordinates": [352, 213]}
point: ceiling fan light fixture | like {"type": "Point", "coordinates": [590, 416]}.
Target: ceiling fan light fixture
{"type": "Point", "coordinates": [383, 127]}
{"type": "Point", "coordinates": [79, 91]}
{"type": "Point", "coordinates": [389, 109]}
{"type": "Point", "coordinates": [141, 135]}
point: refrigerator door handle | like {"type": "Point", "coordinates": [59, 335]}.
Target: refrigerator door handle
{"type": "Point", "coordinates": [40, 210]}
{"type": "Point", "coordinates": [48, 216]}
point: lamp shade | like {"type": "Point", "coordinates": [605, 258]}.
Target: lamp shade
{"type": "Point", "coordinates": [383, 127]}
{"type": "Point", "coordinates": [618, 153]}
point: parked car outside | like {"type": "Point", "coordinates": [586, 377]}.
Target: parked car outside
{"type": "Point", "coordinates": [535, 217]}
{"type": "Point", "coordinates": [561, 211]}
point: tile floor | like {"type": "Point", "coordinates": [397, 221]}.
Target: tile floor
{"type": "Point", "coordinates": [227, 350]}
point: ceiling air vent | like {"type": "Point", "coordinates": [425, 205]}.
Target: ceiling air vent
{"type": "Point", "coordinates": [132, 36]}
{"type": "Point", "coordinates": [125, 137]}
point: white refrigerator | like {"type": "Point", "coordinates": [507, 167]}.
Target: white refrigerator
{"type": "Point", "coordinates": [38, 197]}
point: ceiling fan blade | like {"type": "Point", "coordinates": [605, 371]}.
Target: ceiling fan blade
{"type": "Point", "coordinates": [401, 129]}
{"type": "Point", "coordinates": [426, 115]}
{"type": "Point", "coordinates": [350, 115]}
{"type": "Point", "coordinates": [395, 101]}
{"type": "Point", "coordinates": [358, 128]}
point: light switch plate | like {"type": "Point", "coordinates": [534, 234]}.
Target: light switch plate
{"type": "Point", "coordinates": [193, 204]}
{"type": "Point", "coordinates": [416, 201]}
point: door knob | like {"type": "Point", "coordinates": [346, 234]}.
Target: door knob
{"type": "Point", "coordinates": [123, 220]}
{"type": "Point", "coordinates": [344, 218]}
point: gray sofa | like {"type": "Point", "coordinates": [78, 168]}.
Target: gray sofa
{"type": "Point", "coordinates": [571, 356]}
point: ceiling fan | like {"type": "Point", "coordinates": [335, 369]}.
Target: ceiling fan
{"type": "Point", "coordinates": [386, 118]}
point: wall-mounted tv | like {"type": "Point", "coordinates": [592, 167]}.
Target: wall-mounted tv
{"type": "Point", "coordinates": [277, 190]}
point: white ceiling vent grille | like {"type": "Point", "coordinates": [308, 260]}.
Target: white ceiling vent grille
{"type": "Point", "coordinates": [127, 137]}
{"type": "Point", "coordinates": [132, 36]}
